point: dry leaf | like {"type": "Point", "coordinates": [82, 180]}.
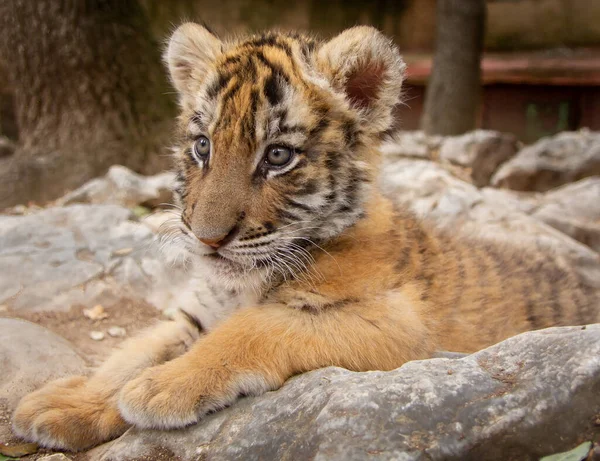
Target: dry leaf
{"type": "Point", "coordinates": [18, 450]}
{"type": "Point", "coordinates": [96, 313]}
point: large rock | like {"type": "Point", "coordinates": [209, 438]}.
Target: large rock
{"type": "Point", "coordinates": [121, 186]}
{"type": "Point", "coordinates": [412, 144]}
{"type": "Point", "coordinates": [573, 209]}
{"type": "Point", "coordinates": [83, 255]}
{"type": "Point", "coordinates": [476, 155]}
{"type": "Point", "coordinates": [531, 395]}
{"type": "Point", "coordinates": [552, 162]}
{"type": "Point", "coordinates": [435, 194]}
{"type": "Point", "coordinates": [481, 151]}
{"type": "Point", "coordinates": [29, 357]}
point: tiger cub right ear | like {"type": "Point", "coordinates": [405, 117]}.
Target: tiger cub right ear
{"type": "Point", "coordinates": [191, 51]}
{"type": "Point", "coordinates": [366, 66]}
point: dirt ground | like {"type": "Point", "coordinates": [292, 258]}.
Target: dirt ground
{"type": "Point", "coordinates": [74, 326]}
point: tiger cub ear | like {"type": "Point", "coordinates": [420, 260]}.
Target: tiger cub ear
{"type": "Point", "coordinates": [366, 66]}
{"type": "Point", "coordinates": [191, 51]}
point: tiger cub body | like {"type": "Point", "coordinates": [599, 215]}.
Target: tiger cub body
{"type": "Point", "coordinates": [277, 159]}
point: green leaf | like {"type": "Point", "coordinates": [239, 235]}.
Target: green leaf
{"type": "Point", "coordinates": [579, 453]}
{"type": "Point", "coordinates": [6, 458]}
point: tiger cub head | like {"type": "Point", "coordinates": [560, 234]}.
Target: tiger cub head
{"type": "Point", "coordinates": [277, 142]}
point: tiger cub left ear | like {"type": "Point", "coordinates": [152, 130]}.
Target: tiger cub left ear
{"type": "Point", "coordinates": [191, 52]}
{"type": "Point", "coordinates": [367, 67]}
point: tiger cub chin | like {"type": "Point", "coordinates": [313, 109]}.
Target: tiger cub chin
{"type": "Point", "coordinates": [277, 160]}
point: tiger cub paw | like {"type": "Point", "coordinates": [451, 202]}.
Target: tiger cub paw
{"type": "Point", "coordinates": [68, 414]}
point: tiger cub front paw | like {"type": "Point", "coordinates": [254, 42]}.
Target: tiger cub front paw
{"type": "Point", "coordinates": [68, 414]}
{"type": "Point", "coordinates": [179, 393]}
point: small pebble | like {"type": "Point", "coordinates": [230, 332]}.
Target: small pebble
{"type": "Point", "coordinates": [19, 209]}
{"type": "Point", "coordinates": [96, 313]}
{"type": "Point", "coordinates": [97, 335]}
{"type": "Point", "coordinates": [117, 332]}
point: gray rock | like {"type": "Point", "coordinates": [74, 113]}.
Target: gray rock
{"type": "Point", "coordinates": [121, 186]}
{"type": "Point", "coordinates": [573, 209]}
{"type": "Point", "coordinates": [478, 153]}
{"type": "Point", "coordinates": [531, 395]}
{"type": "Point", "coordinates": [435, 194]}
{"type": "Point", "coordinates": [551, 162]}
{"type": "Point", "coordinates": [83, 255]}
{"type": "Point", "coordinates": [481, 151]}
{"type": "Point", "coordinates": [31, 356]}
{"type": "Point", "coordinates": [412, 144]}
{"type": "Point", "coordinates": [498, 215]}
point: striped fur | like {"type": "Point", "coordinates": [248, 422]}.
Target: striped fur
{"type": "Point", "coordinates": [338, 275]}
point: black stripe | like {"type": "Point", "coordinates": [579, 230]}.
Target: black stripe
{"type": "Point", "coordinates": [274, 68]}
{"type": "Point", "coordinates": [300, 206]}
{"type": "Point", "coordinates": [193, 320]}
{"type": "Point", "coordinates": [308, 188]}
{"type": "Point", "coordinates": [272, 90]}
{"type": "Point", "coordinates": [350, 132]}
{"type": "Point", "coordinates": [271, 40]}
{"type": "Point", "coordinates": [214, 90]}
{"type": "Point", "coordinates": [321, 126]}
{"type": "Point", "coordinates": [288, 216]}
{"type": "Point", "coordinates": [185, 221]}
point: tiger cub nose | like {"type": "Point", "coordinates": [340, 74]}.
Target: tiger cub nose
{"type": "Point", "coordinates": [222, 240]}
{"type": "Point", "coordinates": [215, 243]}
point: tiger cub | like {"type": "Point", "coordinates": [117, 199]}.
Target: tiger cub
{"type": "Point", "coordinates": [277, 164]}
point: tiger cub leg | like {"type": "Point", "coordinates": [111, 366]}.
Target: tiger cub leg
{"type": "Point", "coordinates": [258, 348]}
{"type": "Point", "coordinates": [78, 412]}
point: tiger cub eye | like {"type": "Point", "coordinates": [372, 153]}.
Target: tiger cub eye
{"type": "Point", "coordinates": [202, 148]}
{"type": "Point", "coordinates": [279, 155]}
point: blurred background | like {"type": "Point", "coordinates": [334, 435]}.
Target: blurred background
{"type": "Point", "coordinates": [82, 86]}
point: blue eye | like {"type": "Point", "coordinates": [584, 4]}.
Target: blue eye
{"type": "Point", "coordinates": [201, 148]}
{"type": "Point", "coordinates": [278, 155]}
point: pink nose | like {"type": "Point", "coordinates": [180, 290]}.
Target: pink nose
{"type": "Point", "coordinates": [221, 240]}
{"type": "Point", "coordinates": [214, 243]}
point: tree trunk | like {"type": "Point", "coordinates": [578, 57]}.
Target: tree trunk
{"type": "Point", "coordinates": [452, 97]}
{"type": "Point", "coordinates": [89, 92]}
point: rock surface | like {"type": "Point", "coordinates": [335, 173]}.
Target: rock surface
{"type": "Point", "coordinates": [531, 395]}
{"type": "Point", "coordinates": [412, 144]}
{"type": "Point", "coordinates": [25, 346]}
{"type": "Point", "coordinates": [435, 194]}
{"type": "Point", "coordinates": [573, 209]}
{"type": "Point", "coordinates": [82, 255]}
{"type": "Point", "coordinates": [478, 153]}
{"type": "Point", "coordinates": [552, 162]}
{"type": "Point", "coordinates": [121, 186]}
{"type": "Point", "coordinates": [29, 357]}
{"type": "Point", "coordinates": [481, 151]}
